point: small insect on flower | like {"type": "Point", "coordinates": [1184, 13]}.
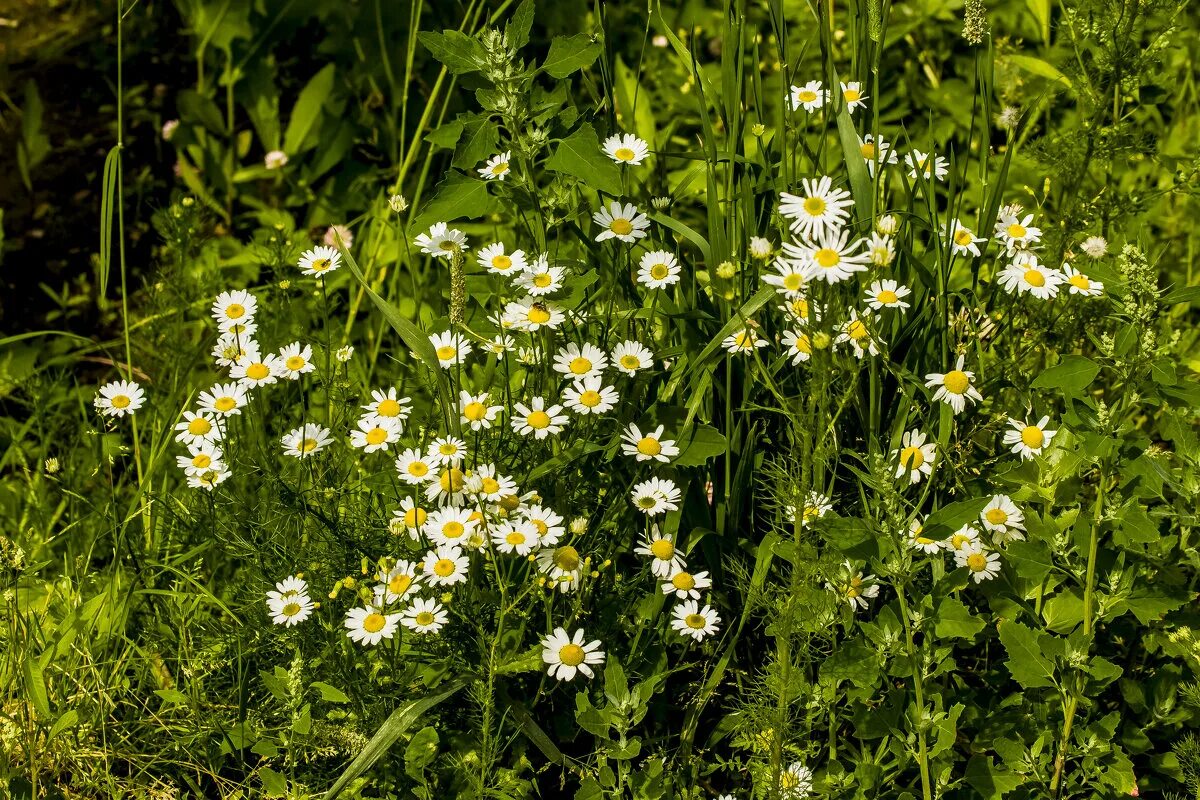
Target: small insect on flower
{"type": "Point", "coordinates": [691, 620]}
{"type": "Point", "coordinates": [441, 241]}
{"type": "Point", "coordinates": [854, 96]}
{"type": "Point", "coordinates": [799, 346]}
{"type": "Point", "coordinates": [630, 357]}
{"type": "Point", "coordinates": [580, 361]}
{"type": "Point", "coordinates": [684, 584]}
{"type": "Point", "coordinates": [369, 625]}
{"type": "Point", "coordinates": [819, 208]}
{"type": "Point", "coordinates": [1078, 283]}
{"type": "Point", "coordinates": [531, 314]}
{"type": "Point", "coordinates": [914, 457]}
{"type": "Point", "coordinates": [852, 585]}
{"type": "Point", "coordinates": [744, 341]}
{"type": "Point", "coordinates": [567, 655]}
{"type": "Point", "coordinates": [233, 308]}
{"type": "Point", "coordinates": [307, 440]}
{"type": "Point", "coordinates": [474, 411]}
{"type": "Point", "coordinates": [1016, 233]}
{"type": "Point", "coordinates": [1003, 519]}
{"type": "Point", "coordinates": [622, 222]}
{"type": "Point", "coordinates": [495, 260]}
{"type": "Point", "coordinates": [658, 269]}
{"type": "Point", "coordinates": [983, 565]}
{"type": "Point", "coordinates": [450, 348]}
{"type": "Point", "coordinates": [876, 152]}
{"type": "Point", "coordinates": [320, 261]}
{"type": "Point", "coordinates": [831, 257]}
{"type": "Point", "coordinates": [119, 398]}
{"type": "Point", "coordinates": [659, 547]}
{"type": "Point", "coordinates": [648, 446]}
{"type": "Point", "coordinates": [424, 616]}
{"type": "Point", "coordinates": [224, 399]}
{"type": "Point", "coordinates": [197, 428]}
{"type": "Point", "coordinates": [375, 433]}
{"type": "Point", "coordinates": [962, 240]}
{"type": "Point", "coordinates": [297, 360]}
{"type": "Point", "coordinates": [811, 96]}
{"type": "Point", "coordinates": [1028, 440]}
{"type": "Point", "coordinates": [655, 496]}
{"type": "Point", "coordinates": [926, 165]}
{"type": "Point", "coordinates": [515, 536]}
{"type": "Point", "coordinates": [954, 388]}
{"type": "Point", "coordinates": [538, 419]}
{"type": "Point", "coordinates": [200, 458]}
{"type": "Point", "coordinates": [626, 149]}
{"type": "Point", "coordinates": [1026, 276]}
{"type": "Point", "coordinates": [887, 294]}
{"type": "Point", "coordinates": [496, 168]}
{"type": "Point", "coordinates": [445, 566]}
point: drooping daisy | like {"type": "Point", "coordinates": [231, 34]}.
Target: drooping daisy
{"type": "Point", "coordinates": [234, 308]}
{"type": "Point", "coordinates": [1026, 276]}
{"type": "Point", "coordinates": [744, 341]}
{"type": "Point", "coordinates": [119, 398]}
{"type": "Point", "coordinates": [297, 360]}
{"type": "Point", "coordinates": [799, 346]}
{"type": "Point", "coordinates": [1028, 439]}
{"type": "Point", "coordinates": [962, 240]}
{"type": "Point", "coordinates": [658, 269]}
{"type": "Point", "coordinates": [831, 257]}
{"type": "Point", "coordinates": [370, 625]}
{"type": "Point", "coordinates": [965, 537]}
{"type": "Point", "coordinates": [887, 225]}
{"type": "Point", "coordinates": [621, 222]}
{"type": "Point", "coordinates": [1016, 233]}
{"type": "Point", "coordinates": [566, 656]}
{"type": "Point", "coordinates": [306, 441]}
{"type": "Point", "coordinates": [424, 616]}
{"type": "Point", "coordinates": [451, 348]}
{"type": "Point", "coordinates": [291, 609]}
{"type": "Point", "coordinates": [200, 458]}
{"type": "Point", "coordinates": [927, 165]}
{"type": "Point", "coordinates": [539, 278]}
{"type": "Point", "coordinates": [648, 446]}
{"type": "Point", "coordinates": [799, 310]}
{"type": "Point", "coordinates": [320, 261]}
{"type": "Point", "coordinates": [410, 517]}
{"type": "Point", "coordinates": [232, 348]}
{"type": "Point", "coordinates": [854, 96]}
{"type": "Point", "coordinates": [255, 372]}
{"type": "Point", "coordinates": [856, 588]}
{"type": "Point", "coordinates": [626, 149]}
{"type": "Point", "coordinates": [474, 410]}
{"type": "Point", "coordinates": [915, 456]}
{"type": "Point", "coordinates": [1078, 283]}
{"type": "Point", "coordinates": [983, 565]}
{"type": "Point", "coordinates": [375, 433]}
{"type": "Point", "coordinates": [954, 388]}
{"type": "Point", "coordinates": [395, 583]}
{"type": "Point", "coordinates": [630, 357]}
{"type": "Point", "coordinates": [576, 362]}
{"type": "Point", "coordinates": [445, 566]}
{"type": "Point", "coordinates": [495, 260]}
{"type": "Point", "coordinates": [789, 277]}
{"type": "Point", "coordinates": [819, 208]}
{"type": "Point", "coordinates": [496, 168]}
{"type": "Point", "coordinates": [224, 399]}
{"type": "Point", "coordinates": [389, 404]}
{"type": "Point", "coordinates": [538, 419]}
{"type": "Point", "coordinates": [413, 467]}
{"type": "Point", "coordinates": [887, 294]}
{"type": "Point", "coordinates": [1003, 519]}
{"type": "Point", "coordinates": [515, 536]}
{"type": "Point", "coordinates": [659, 547]}
{"type": "Point", "coordinates": [858, 336]}
{"type": "Point", "coordinates": [881, 249]}
{"type": "Point", "coordinates": [530, 314]}
{"type": "Point", "coordinates": [486, 482]}
{"type": "Point", "coordinates": [877, 152]}
{"type": "Point", "coordinates": [761, 248]}
{"type": "Point", "coordinates": [655, 496]}
{"type": "Point", "coordinates": [449, 525]}
{"type": "Point", "coordinates": [684, 584]}
{"type": "Point", "coordinates": [447, 486]}
{"type": "Point", "coordinates": [917, 541]}
{"type": "Point", "coordinates": [549, 525]}
{"type": "Point", "coordinates": [198, 427]}
{"type": "Point", "coordinates": [810, 96]}
{"type": "Point", "coordinates": [691, 620]}
{"type": "Point", "coordinates": [561, 565]}
{"type": "Point", "coordinates": [442, 241]}
{"type": "Point", "coordinates": [209, 479]}
{"type": "Point", "coordinates": [499, 345]}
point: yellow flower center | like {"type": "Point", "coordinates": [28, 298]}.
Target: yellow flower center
{"type": "Point", "coordinates": [852, 95]}
{"type": "Point", "coordinates": [376, 436]}
{"type": "Point", "coordinates": [320, 265]}
{"type": "Point", "coordinates": [388, 408]}
{"type": "Point", "coordinates": [1016, 230]}
{"type": "Point", "coordinates": [415, 517]}
{"type": "Point", "coordinates": [542, 280]}
{"type": "Point", "coordinates": [374, 622]}
{"type": "Point", "coordinates": [571, 654]}
{"type": "Point", "coordinates": [256, 372]}
{"type": "Point", "coordinates": [621, 226]}
{"type": "Point", "coordinates": [399, 583]}
{"type": "Point", "coordinates": [663, 549]}
{"type": "Point", "coordinates": [120, 401]}
{"type": "Point", "coordinates": [956, 381]}
{"type": "Point", "coordinates": [510, 502]}
{"type": "Point", "coordinates": [912, 457]}
{"type": "Point", "coordinates": [827, 257]}
{"type": "Point", "coordinates": [453, 530]}
{"type": "Point", "coordinates": [291, 609]}
{"type": "Point", "coordinates": [1080, 281]}
{"type": "Point", "coordinates": [500, 169]}
{"type": "Point", "coordinates": [295, 363]}
{"type": "Point", "coordinates": [515, 538]}
{"type": "Point", "coordinates": [997, 516]}
{"type": "Point", "coordinates": [806, 95]}
{"type": "Point", "coordinates": [624, 154]}
{"type": "Point", "coordinates": [490, 485]}
{"type": "Point", "coordinates": [856, 330]}
{"type": "Point", "coordinates": [684, 581]}
{"type": "Point", "coordinates": [868, 151]}
{"type": "Point", "coordinates": [451, 480]}
{"type": "Point", "coordinates": [446, 353]}
{"type": "Point", "coordinates": [580, 365]}
{"type": "Point", "coordinates": [803, 344]}
{"type": "Point", "coordinates": [649, 446]}
{"type": "Point", "coordinates": [199, 426]}
{"type": "Point", "coordinates": [444, 568]}
{"type": "Point", "coordinates": [538, 315]}
{"type": "Point", "coordinates": [202, 461]}
{"type": "Point", "coordinates": [631, 362]}
{"type": "Point", "coordinates": [744, 340]}
{"type": "Point", "coordinates": [659, 271]}
{"type": "Point", "coordinates": [418, 469]}
{"type": "Point", "coordinates": [234, 310]}
{"type": "Point", "coordinates": [475, 411]}
{"type": "Point", "coordinates": [814, 206]}
{"type": "Point", "coordinates": [958, 540]}
{"type": "Point", "coordinates": [1035, 278]}
{"type": "Point", "coordinates": [502, 262]}
{"type": "Point", "coordinates": [225, 403]}
{"type": "Point", "coordinates": [800, 308]}
{"type": "Point", "coordinates": [977, 562]}
{"type": "Point", "coordinates": [1032, 436]}
{"type": "Point", "coordinates": [538, 420]}
{"type": "Point", "coordinates": [590, 398]}
{"type": "Point", "coordinates": [541, 526]}
{"type": "Point", "coordinates": [963, 237]}
{"type": "Point", "coordinates": [566, 558]}
{"type": "Point", "coordinates": [695, 621]}
{"type": "Point", "coordinates": [793, 281]}
{"type": "Point", "coordinates": [424, 618]}
{"type": "Point", "coordinates": [887, 297]}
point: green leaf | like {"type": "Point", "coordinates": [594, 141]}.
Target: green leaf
{"type": "Point", "coordinates": [569, 54]}
{"type": "Point", "coordinates": [855, 662]}
{"type": "Point", "coordinates": [480, 136]}
{"type": "Point", "coordinates": [703, 442]}
{"type": "Point", "coordinates": [392, 729]}
{"type": "Point", "coordinates": [457, 51]}
{"type": "Point", "coordinates": [421, 751]}
{"type": "Point", "coordinates": [1031, 560]}
{"type": "Point", "coordinates": [517, 29]}
{"type": "Point", "coordinates": [69, 719]}
{"type": "Point", "coordinates": [195, 107]}
{"type": "Point", "coordinates": [35, 687]}
{"type": "Point", "coordinates": [330, 694]}
{"type": "Point", "coordinates": [447, 135]}
{"type": "Point", "coordinates": [579, 155]}
{"type": "Point", "coordinates": [274, 784]}
{"type": "Point", "coordinates": [949, 518]}
{"type": "Point", "coordinates": [1043, 69]}
{"type": "Point", "coordinates": [990, 782]}
{"type": "Point", "coordinates": [307, 110]}
{"type": "Point", "coordinates": [172, 696]}
{"type": "Point", "coordinates": [955, 620]}
{"type": "Point", "coordinates": [1071, 375]}
{"type": "Point", "coordinates": [457, 196]}
{"type": "Point", "coordinates": [1026, 658]}
{"type": "Point", "coordinates": [856, 165]}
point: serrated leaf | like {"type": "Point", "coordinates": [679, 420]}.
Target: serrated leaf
{"type": "Point", "coordinates": [700, 444]}
{"type": "Point", "coordinates": [1026, 658]}
{"type": "Point", "coordinates": [955, 620]}
{"type": "Point", "coordinates": [457, 51]}
{"type": "Point", "coordinates": [518, 27]}
{"type": "Point", "coordinates": [479, 138]}
{"type": "Point", "coordinates": [569, 54]}
{"type": "Point", "coordinates": [447, 135]}
{"type": "Point", "coordinates": [1031, 560]}
{"type": "Point", "coordinates": [274, 784]}
{"type": "Point", "coordinates": [579, 155]}
{"type": "Point", "coordinates": [990, 782]}
{"type": "Point", "coordinates": [458, 196]}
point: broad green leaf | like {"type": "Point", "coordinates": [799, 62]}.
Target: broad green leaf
{"type": "Point", "coordinates": [569, 54]}
{"type": "Point", "coordinates": [955, 620]}
{"type": "Point", "coordinates": [479, 138]}
{"type": "Point", "coordinates": [949, 518]}
{"type": "Point", "coordinates": [1026, 658]}
{"type": "Point", "coordinates": [1043, 69]}
{"type": "Point", "coordinates": [457, 51]}
{"type": "Point", "coordinates": [855, 662]}
{"type": "Point", "coordinates": [856, 165]}
{"type": "Point", "coordinates": [447, 135]}
{"type": "Point", "coordinates": [518, 27]}
{"type": "Point", "coordinates": [421, 750]}
{"type": "Point", "coordinates": [1030, 559]}
{"type": "Point", "coordinates": [173, 696]}
{"type": "Point", "coordinates": [35, 687]}
{"type": "Point", "coordinates": [69, 719]}
{"type": "Point", "coordinates": [990, 782]}
{"type": "Point", "coordinates": [698, 446]}
{"type": "Point", "coordinates": [330, 694]}
{"type": "Point", "coordinates": [457, 196]}
{"type": "Point", "coordinates": [195, 107]}
{"type": "Point", "coordinates": [1071, 375]}
{"type": "Point", "coordinates": [274, 784]}
{"type": "Point", "coordinates": [307, 110]}
{"type": "Point", "coordinates": [579, 156]}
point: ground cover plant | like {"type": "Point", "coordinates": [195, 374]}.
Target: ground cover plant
{"type": "Point", "coordinates": [507, 400]}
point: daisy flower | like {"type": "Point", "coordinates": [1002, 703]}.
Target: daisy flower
{"type": "Point", "coordinates": [209, 479]}
{"type": "Point", "coordinates": [451, 348]}
{"type": "Point", "coordinates": [819, 208]}
{"type": "Point", "coordinates": [630, 357]}
{"type": "Point", "coordinates": [297, 360]}
{"type": "Point", "coordinates": [445, 566]}
{"type": "Point", "coordinates": [375, 433]}
{"type": "Point", "coordinates": [306, 441]}
{"type": "Point", "coordinates": [831, 257]}
{"type": "Point", "coordinates": [446, 451]}
{"type": "Point", "coordinates": [447, 486]}
{"type": "Point", "coordinates": [816, 505]}
{"type": "Point", "coordinates": [887, 225]}
{"type": "Point", "coordinates": [655, 496]}
{"type": "Point", "coordinates": [799, 346]}
{"type": "Point", "coordinates": [590, 396]}
{"type": "Point", "coordinates": [474, 411]}
{"type": "Point", "coordinates": [855, 333]}
{"type": "Point", "coordinates": [530, 314]}
{"type": "Point", "coordinates": [291, 609]}
{"type": "Point", "coordinates": [744, 341]}
{"type": "Point", "coordinates": [118, 398]}
{"type": "Point", "coordinates": [539, 278]}
{"type": "Point", "coordinates": [1026, 276]}
{"type": "Point", "coordinates": [659, 547]}
{"type": "Point", "coordinates": [684, 584]}
{"type": "Point", "coordinates": [196, 428]}
{"type": "Point", "coordinates": [1078, 283]}
{"type": "Point", "coordinates": [496, 168]}
{"type": "Point", "coordinates": [389, 404]}
{"type": "Point", "coordinates": [648, 446]}
{"type": "Point", "coordinates": [487, 483]}
{"type": "Point", "coordinates": [927, 165]}
{"type": "Point", "coordinates": [799, 309]}
{"type": "Point", "coordinates": [1003, 519]}
{"type": "Point", "coordinates": [954, 388]}
{"type": "Point", "coordinates": [424, 616]}
{"type": "Point", "coordinates": [538, 419]}
{"type": "Point", "coordinates": [413, 467]}
{"type": "Point", "coordinates": [918, 542]}
{"type": "Point", "coordinates": [854, 96]}
{"type": "Point", "coordinates": [691, 620]}
{"type": "Point", "coordinates": [965, 537]}
{"type": "Point", "coordinates": [449, 525]}
{"type": "Point", "coordinates": [853, 586]}
{"type": "Point", "coordinates": [796, 781]}
{"type": "Point", "coordinates": [983, 565]}
{"type": "Point", "coordinates": [621, 222]}
{"type": "Point", "coordinates": [576, 362]}
{"type": "Point", "coordinates": [290, 586]}
{"type": "Point", "coordinates": [320, 261]}
{"type": "Point", "coordinates": [549, 525]}
{"type": "Point", "coordinates": [395, 583]}
{"type": "Point", "coordinates": [810, 96]}
{"type": "Point", "coordinates": [1016, 233]}
{"type": "Point", "coordinates": [200, 458]}
{"type": "Point", "coordinates": [566, 656]}
{"type": "Point", "coordinates": [658, 269]}
{"type": "Point", "coordinates": [561, 565]}
{"type": "Point", "coordinates": [255, 372]}
{"type": "Point", "coordinates": [515, 536]}
{"type": "Point", "coordinates": [962, 240]}
{"type": "Point", "coordinates": [881, 249]}
{"type": "Point", "coordinates": [915, 456]}
{"type": "Point", "coordinates": [495, 260]}
{"type": "Point", "coordinates": [234, 308]}
{"type": "Point", "coordinates": [887, 294]}
{"type": "Point", "coordinates": [338, 234]}
{"type": "Point", "coordinates": [1028, 440]}
{"type": "Point", "coordinates": [788, 279]}
{"type": "Point", "coordinates": [369, 625]}
{"type": "Point", "coordinates": [499, 345]}
{"type": "Point", "coordinates": [232, 348]}
{"type": "Point", "coordinates": [441, 241]}
{"type": "Point", "coordinates": [625, 149]}
{"type": "Point", "coordinates": [761, 248]}
{"type": "Point", "coordinates": [877, 152]}
{"type": "Point", "coordinates": [409, 518]}
{"type": "Point", "coordinates": [224, 399]}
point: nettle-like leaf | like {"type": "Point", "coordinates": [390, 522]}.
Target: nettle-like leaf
{"type": "Point", "coordinates": [1027, 660]}
{"type": "Point", "coordinates": [1071, 375]}
{"type": "Point", "coordinates": [458, 52]}
{"type": "Point", "coordinates": [579, 156]}
{"type": "Point", "coordinates": [570, 54]}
